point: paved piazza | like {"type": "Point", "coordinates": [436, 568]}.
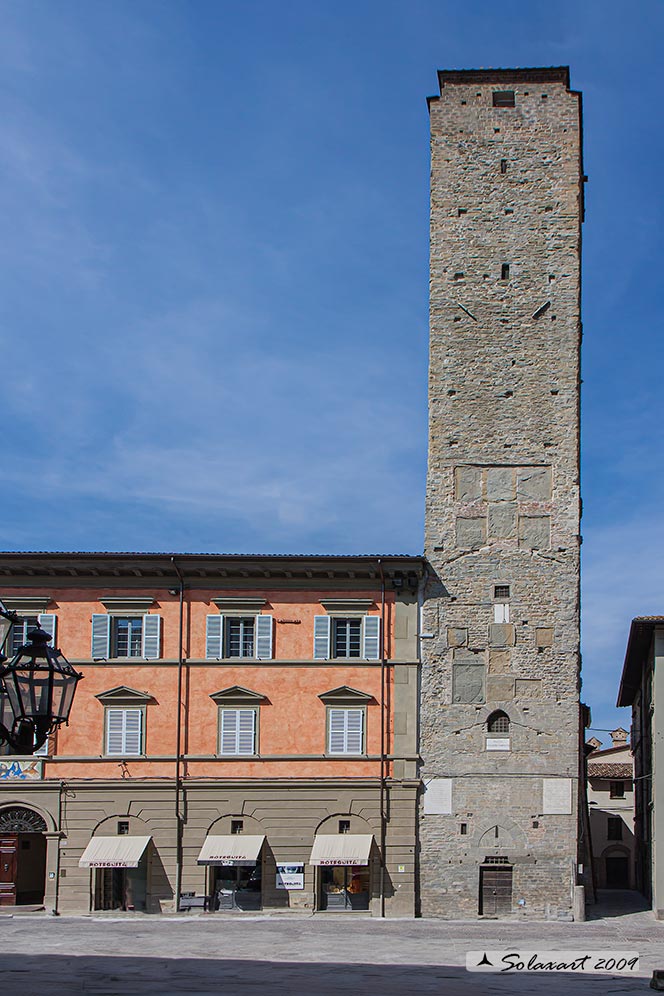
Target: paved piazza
{"type": "Point", "coordinates": [283, 954]}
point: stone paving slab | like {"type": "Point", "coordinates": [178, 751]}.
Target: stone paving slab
{"type": "Point", "coordinates": [132, 955]}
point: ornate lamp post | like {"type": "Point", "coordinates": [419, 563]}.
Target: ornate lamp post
{"type": "Point", "coordinates": [39, 685]}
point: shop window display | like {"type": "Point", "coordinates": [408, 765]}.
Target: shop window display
{"type": "Point", "coordinates": [345, 887]}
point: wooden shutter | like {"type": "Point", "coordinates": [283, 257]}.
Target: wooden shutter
{"type": "Point", "coordinates": [354, 731]}
{"type": "Point", "coordinates": [101, 636]}
{"type": "Point", "coordinates": [47, 621]}
{"type": "Point", "coordinates": [228, 732]}
{"type": "Point", "coordinates": [264, 638]}
{"type": "Point", "coordinates": [321, 638]}
{"type": "Point", "coordinates": [124, 729]}
{"type": "Point", "coordinates": [151, 637]}
{"type": "Point", "coordinates": [214, 637]}
{"type": "Point", "coordinates": [246, 736]}
{"type": "Point", "coordinates": [345, 731]}
{"type": "Point", "coordinates": [238, 731]}
{"type": "Point", "coordinates": [371, 638]}
{"type": "Point", "coordinates": [336, 731]}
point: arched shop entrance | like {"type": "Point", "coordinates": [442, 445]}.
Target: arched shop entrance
{"type": "Point", "coordinates": [22, 857]}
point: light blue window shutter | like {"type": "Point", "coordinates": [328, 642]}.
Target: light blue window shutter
{"type": "Point", "coordinates": [115, 731]}
{"type": "Point", "coordinates": [246, 738]}
{"type": "Point", "coordinates": [336, 731]}
{"type": "Point", "coordinates": [228, 733]}
{"type": "Point", "coordinates": [101, 636]}
{"type": "Point", "coordinates": [354, 731]}
{"type": "Point", "coordinates": [214, 637]}
{"type": "Point", "coordinates": [321, 638]}
{"type": "Point", "coordinates": [47, 621]}
{"type": "Point", "coordinates": [371, 638]}
{"type": "Point", "coordinates": [133, 729]}
{"type": "Point", "coordinates": [151, 637]}
{"type": "Point", "coordinates": [264, 638]}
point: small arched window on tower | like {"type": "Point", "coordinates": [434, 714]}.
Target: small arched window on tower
{"type": "Point", "coordinates": [498, 731]}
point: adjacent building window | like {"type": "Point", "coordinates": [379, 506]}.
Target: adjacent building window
{"type": "Point", "coordinates": [20, 630]}
{"type": "Point", "coordinates": [237, 731]}
{"type": "Point", "coordinates": [344, 826]}
{"type": "Point", "coordinates": [124, 732]}
{"type": "Point", "coordinates": [347, 637]}
{"type": "Point", "coordinates": [237, 827]}
{"type": "Point", "coordinates": [238, 636]}
{"type": "Point", "coordinates": [614, 828]}
{"type": "Point", "coordinates": [127, 637]}
{"type": "Point", "coordinates": [617, 790]}
{"type": "Point", "coordinates": [345, 731]}
{"type": "Point", "coordinates": [352, 636]}
{"type": "Point", "coordinates": [124, 636]}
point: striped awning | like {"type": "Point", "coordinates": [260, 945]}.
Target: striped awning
{"type": "Point", "coordinates": [114, 852]}
{"type": "Point", "coordinates": [232, 849]}
{"type": "Point", "coordinates": [341, 849]}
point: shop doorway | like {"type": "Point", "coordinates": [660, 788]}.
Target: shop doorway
{"type": "Point", "coordinates": [122, 888]}
{"type": "Point", "coordinates": [22, 858]}
{"type": "Point", "coordinates": [345, 887]}
{"type": "Point", "coordinates": [237, 887]}
{"type": "Point", "coordinates": [495, 890]}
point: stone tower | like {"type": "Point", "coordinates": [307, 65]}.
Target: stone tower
{"type": "Point", "coordinates": [500, 684]}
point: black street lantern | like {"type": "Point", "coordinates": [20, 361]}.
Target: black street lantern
{"type": "Point", "coordinates": [39, 685]}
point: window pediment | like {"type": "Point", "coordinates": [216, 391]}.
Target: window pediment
{"type": "Point", "coordinates": [347, 606]}
{"type": "Point", "coordinates": [127, 604]}
{"type": "Point", "coordinates": [344, 695]}
{"type": "Point", "coordinates": [237, 695]}
{"type": "Point", "coordinates": [239, 605]}
{"type": "Point", "coordinates": [27, 604]}
{"type": "Point", "coordinates": [124, 695]}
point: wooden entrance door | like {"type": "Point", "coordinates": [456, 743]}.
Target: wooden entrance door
{"type": "Point", "coordinates": [617, 872]}
{"type": "Point", "coordinates": [495, 891]}
{"type": "Point", "coordinates": [8, 861]}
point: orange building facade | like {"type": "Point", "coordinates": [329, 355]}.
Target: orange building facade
{"type": "Point", "coordinates": [245, 736]}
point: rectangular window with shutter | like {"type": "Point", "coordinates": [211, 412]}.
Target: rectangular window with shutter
{"type": "Point", "coordinates": [345, 731]}
{"type": "Point", "coordinates": [237, 731]}
{"type": "Point", "coordinates": [124, 732]}
{"type": "Point", "coordinates": [20, 632]}
{"type": "Point", "coordinates": [357, 636]}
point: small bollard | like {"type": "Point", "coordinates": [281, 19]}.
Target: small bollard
{"type": "Point", "coordinates": [657, 981]}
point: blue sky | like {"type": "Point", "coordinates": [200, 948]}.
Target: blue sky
{"type": "Point", "coordinates": [213, 284]}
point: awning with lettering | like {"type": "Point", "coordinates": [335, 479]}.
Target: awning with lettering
{"type": "Point", "coordinates": [114, 852]}
{"type": "Point", "coordinates": [341, 849]}
{"type": "Point", "coordinates": [233, 849]}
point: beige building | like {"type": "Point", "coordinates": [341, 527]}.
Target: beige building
{"type": "Point", "coordinates": [642, 688]}
{"type": "Point", "coordinates": [611, 806]}
{"type": "Point", "coordinates": [500, 716]}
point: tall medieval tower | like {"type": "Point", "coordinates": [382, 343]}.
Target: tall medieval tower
{"type": "Point", "coordinates": [500, 681]}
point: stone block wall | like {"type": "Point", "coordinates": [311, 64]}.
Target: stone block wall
{"type": "Point", "coordinates": [501, 613]}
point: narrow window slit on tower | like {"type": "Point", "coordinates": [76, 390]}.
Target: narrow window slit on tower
{"type": "Point", "coordinates": [503, 165]}
{"type": "Point", "coordinates": [509, 210]}
{"type": "Point", "coordinates": [458, 276]}
{"type": "Point", "coordinates": [542, 310]}
{"type": "Point", "coordinates": [461, 211]}
{"type": "Point", "coordinates": [503, 98]}
{"type": "Point", "coordinates": [505, 271]}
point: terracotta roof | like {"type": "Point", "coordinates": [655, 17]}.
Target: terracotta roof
{"type": "Point", "coordinates": [608, 770]}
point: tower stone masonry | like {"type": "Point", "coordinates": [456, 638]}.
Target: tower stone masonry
{"type": "Point", "coordinates": [500, 673]}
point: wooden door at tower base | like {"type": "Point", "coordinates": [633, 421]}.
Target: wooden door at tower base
{"type": "Point", "coordinates": [495, 891]}
{"type": "Point", "coordinates": [8, 853]}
